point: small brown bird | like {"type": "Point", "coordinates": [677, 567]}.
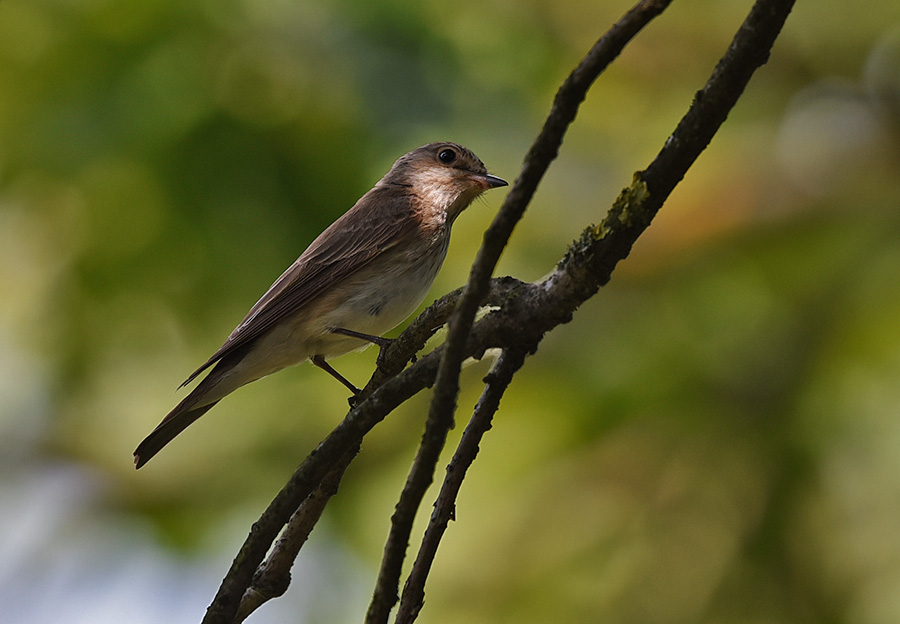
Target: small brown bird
{"type": "Point", "coordinates": [360, 278]}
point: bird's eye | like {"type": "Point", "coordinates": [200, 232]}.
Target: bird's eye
{"type": "Point", "coordinates": [447, 156]}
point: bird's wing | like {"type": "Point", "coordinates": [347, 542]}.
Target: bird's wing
{"type": "Point", "coordinates": [366, 234]}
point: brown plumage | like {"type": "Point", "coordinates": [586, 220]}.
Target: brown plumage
{"type": "Point", "coordinates": [364, 274]}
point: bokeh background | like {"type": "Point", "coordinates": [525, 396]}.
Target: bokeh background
{"type": "Point", "coordinates": [714, 438]}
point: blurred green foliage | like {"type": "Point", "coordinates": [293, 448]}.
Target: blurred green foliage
{"type": "Point", "coordinates": [714, 438]}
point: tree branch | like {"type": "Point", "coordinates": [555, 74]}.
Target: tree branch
{"type": "Point", "coordinates": [525, 311]}
{"type": "Point", "coordinates": [497, 381]}
{"type": "Point", "coordinates": [443, 401]}
{"type": "Point", "coordinates": [273, 576]}
{"type": "Point", "coordinates": [382, 395]}
{"type": "Point", "coordinates": [542, 153]}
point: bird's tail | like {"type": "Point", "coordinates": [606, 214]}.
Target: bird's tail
{"type": "Point", "coordinates": [174, 423]}
{"type": "Point", "coordinates": [219, 382]}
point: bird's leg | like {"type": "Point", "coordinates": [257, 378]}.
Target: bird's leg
{"type": "Point", "coordinates": [319, 361]}
{"type": "Point", "coordinates": [378, 340]}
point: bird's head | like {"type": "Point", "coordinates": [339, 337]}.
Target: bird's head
{"type": "Point", "coordinates": [443, 176]}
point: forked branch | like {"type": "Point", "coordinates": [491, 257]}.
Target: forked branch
{"type": "Point", "coordinates": [525, 312]}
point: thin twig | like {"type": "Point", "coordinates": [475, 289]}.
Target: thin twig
{"type": "Point", "coordinates": [417, 483]}
{"type": "Point", "coordinates": [273, 576]}
{"type": "Point", "coordinates": [509, 362]}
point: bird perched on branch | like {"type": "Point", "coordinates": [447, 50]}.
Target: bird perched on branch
{"type": "Point", "coordinates": [360, 278]}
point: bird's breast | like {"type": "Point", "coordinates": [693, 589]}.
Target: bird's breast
{"type": "Point", "coordinates": [379, 297]}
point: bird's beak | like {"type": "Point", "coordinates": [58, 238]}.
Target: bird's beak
{"type": "Point", "coordinates": [491, 181]}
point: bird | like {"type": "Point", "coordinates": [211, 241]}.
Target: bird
{"type": "Point", "coordinates": [360, 278]}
